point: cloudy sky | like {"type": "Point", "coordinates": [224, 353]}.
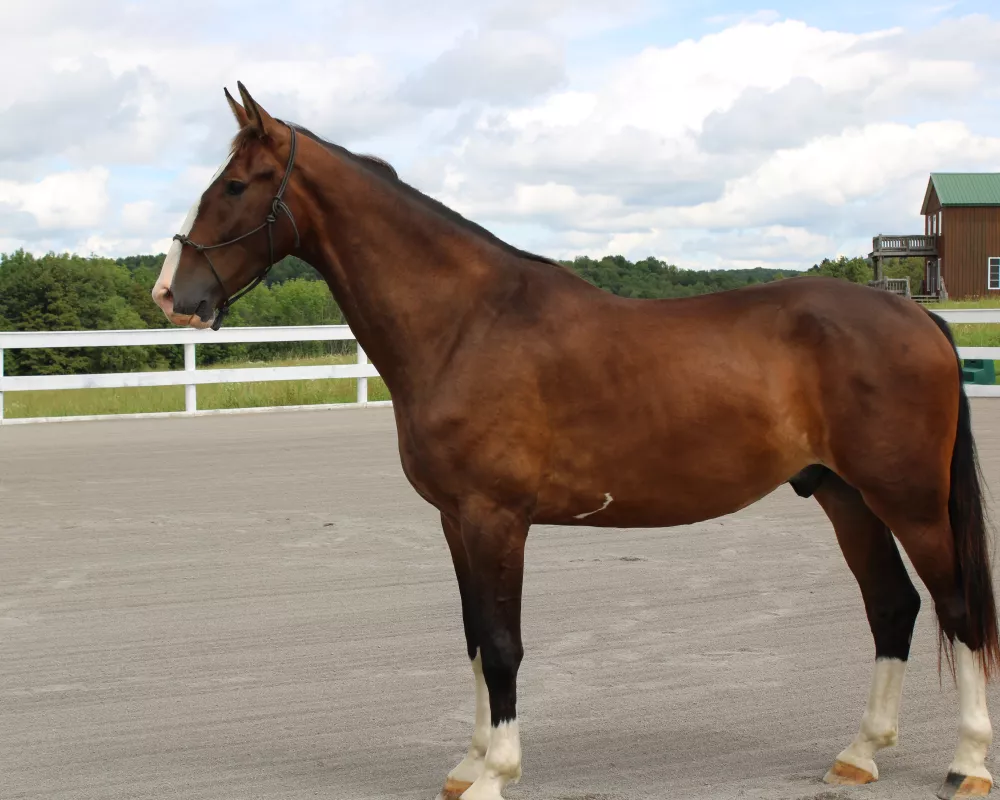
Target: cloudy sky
{"type": "Point", "coordinates": [708, 133]}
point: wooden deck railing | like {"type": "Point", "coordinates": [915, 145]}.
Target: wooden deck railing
{"type": "Point", "coordinates": [890, 246]}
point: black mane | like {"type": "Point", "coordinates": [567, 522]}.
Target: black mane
{"type": "Point", "coordinates": [385, 170]}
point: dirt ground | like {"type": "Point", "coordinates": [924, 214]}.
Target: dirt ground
{"type": "Point", "coordinates": [259, 606]}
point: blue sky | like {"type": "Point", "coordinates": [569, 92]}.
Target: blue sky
{"type": "Point", "coordinates": [706, 134]}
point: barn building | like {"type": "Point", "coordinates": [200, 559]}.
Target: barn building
{"type": "Point", "coordinates": [961, 240]}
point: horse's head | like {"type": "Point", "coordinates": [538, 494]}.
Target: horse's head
{"type": "Point", "coordinates": [242, 224]}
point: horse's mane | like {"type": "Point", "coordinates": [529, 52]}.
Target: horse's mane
{"type": "Point", "coordinates": [386, 171]}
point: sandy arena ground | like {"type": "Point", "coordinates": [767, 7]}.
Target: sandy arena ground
{"type": "Point", "coordinates": [259, 606]}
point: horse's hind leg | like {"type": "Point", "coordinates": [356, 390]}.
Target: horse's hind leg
{"type": "Point", "coordinates": [931, 545]}
{"type": "Point", "coordinates": [891, 603]}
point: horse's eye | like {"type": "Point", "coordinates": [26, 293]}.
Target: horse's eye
{"type": "Point", "coordinates": [235, 188]}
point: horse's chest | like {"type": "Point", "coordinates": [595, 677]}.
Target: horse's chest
{"type": "Point", "coordinates": [419, 461]}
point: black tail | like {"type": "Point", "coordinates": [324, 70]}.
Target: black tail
{"type": "Point", "coordinates": [970, 528]}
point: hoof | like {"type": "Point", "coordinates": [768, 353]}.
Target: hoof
{"type": "Point", "coordinates": [957, 786]}
{"type": "Point", "coordinates": [845, 774]}
{"type": "Point", "coordinates": [453, 789]}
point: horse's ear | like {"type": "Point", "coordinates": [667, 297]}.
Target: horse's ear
{"type": "Point", "coordinates": [238, 111]}
{"type": "Point", "coordinates": [259, 120]}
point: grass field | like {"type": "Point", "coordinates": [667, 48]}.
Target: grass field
{"type": "Point", "coordinates": [988, 302]}
{"type": "Point", "coordinates": [85, 402]}
{"type": "Point", "coordinates": [974, 335]}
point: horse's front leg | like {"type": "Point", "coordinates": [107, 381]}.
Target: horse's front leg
{"type": "Point", "coordinates": [494, 540]}
{"type": "Point", "coordinates": [471, 767]}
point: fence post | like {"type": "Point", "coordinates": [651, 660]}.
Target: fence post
{"type": "Point", "coordinates": [362, 382]}
{"type": "Point", "coordinates": [1, 390]}
{"type": "Point", "coordinates": [190, 389]}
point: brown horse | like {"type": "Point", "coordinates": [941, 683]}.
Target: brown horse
{"type": "Point", "coordinates": [522, 394]}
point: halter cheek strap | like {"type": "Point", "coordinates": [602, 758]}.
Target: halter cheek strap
{"type": "Point", "coordinates": [277, 205]}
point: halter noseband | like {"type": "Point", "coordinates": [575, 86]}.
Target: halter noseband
{"type": "Point", "coordinates": [277, 204]}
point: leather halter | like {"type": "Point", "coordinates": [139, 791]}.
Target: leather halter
{"type": "Point", "coordinates": [277, 204]}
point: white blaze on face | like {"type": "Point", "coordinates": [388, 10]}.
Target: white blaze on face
{"type": "Point", "coordinates": [161, 290]}
{"type": "Point", "coordinates": [174, 253]}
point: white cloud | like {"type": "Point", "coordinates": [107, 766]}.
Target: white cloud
{"type": "Point", "coordinates": [766, 139]}
{"type": "Point", "coordinates": [832, 171]}
{"type": "Point", "coordinates": [70, 107]}
{"type": "Point", "coordinates": [783, 138]}
{"type": "Point", "coordinates": [766, 244]}
{"type": "Point", "coordinates": [137, 216]}
{"type": "Point", "coordinates": [65, 200]}
{"type": "Point", "coordinates": [499, 66]}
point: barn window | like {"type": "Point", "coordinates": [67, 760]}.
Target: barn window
{"type": "Point", "coordinates": [993, 281]}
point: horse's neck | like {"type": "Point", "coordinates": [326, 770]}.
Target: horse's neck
{"type": "Point", "coordinates": [406, 279]}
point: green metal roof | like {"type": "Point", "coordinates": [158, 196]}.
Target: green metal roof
{"type": "Point", "coordinates": [964, 189]}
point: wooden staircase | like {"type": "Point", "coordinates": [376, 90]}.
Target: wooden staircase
{"type": "Point", "coordinates": [905, 247]}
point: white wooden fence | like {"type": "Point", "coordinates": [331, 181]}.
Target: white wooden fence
{"type": "Point", "coordinates": [975, 316]}
{"type": "Point", "coordinates": [191, 377]}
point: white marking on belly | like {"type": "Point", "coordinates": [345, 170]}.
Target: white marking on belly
{"type": "Point", "coordinates": [174, 252]}
{"type": "Point", "coordinates": [880, 723]}
{"type": "Point", "coordinates": [608, 499]}
{"type": "Point", "coordinates": [974, 728]}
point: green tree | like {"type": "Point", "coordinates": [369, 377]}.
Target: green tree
{"type": "Point", "coordinates": [653, 278]}
{"type": "Point", "coordinates": [66, 292]}
{"type": "Point", "coordinates": [298, 301]}
{"type": "Point", "coordinates": [291, 268]}
{"type": "Point", "coordinates": [856, 270]}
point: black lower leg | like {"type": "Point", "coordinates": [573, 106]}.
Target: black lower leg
{"type": "Point", "coordinates": [892, 619]}
{"type": "Point", "coordinates": [502, 655]}
{"type": "Point", "coordinates": [891, 601]}
{"type": "Point", "coordinates": [495, 545]}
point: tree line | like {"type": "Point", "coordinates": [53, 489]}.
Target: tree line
{"type": "Point", "coordinates": [72, 292]}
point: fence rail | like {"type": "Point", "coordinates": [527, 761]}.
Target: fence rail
{"type": "Point", "coordinates": [191, 377]}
